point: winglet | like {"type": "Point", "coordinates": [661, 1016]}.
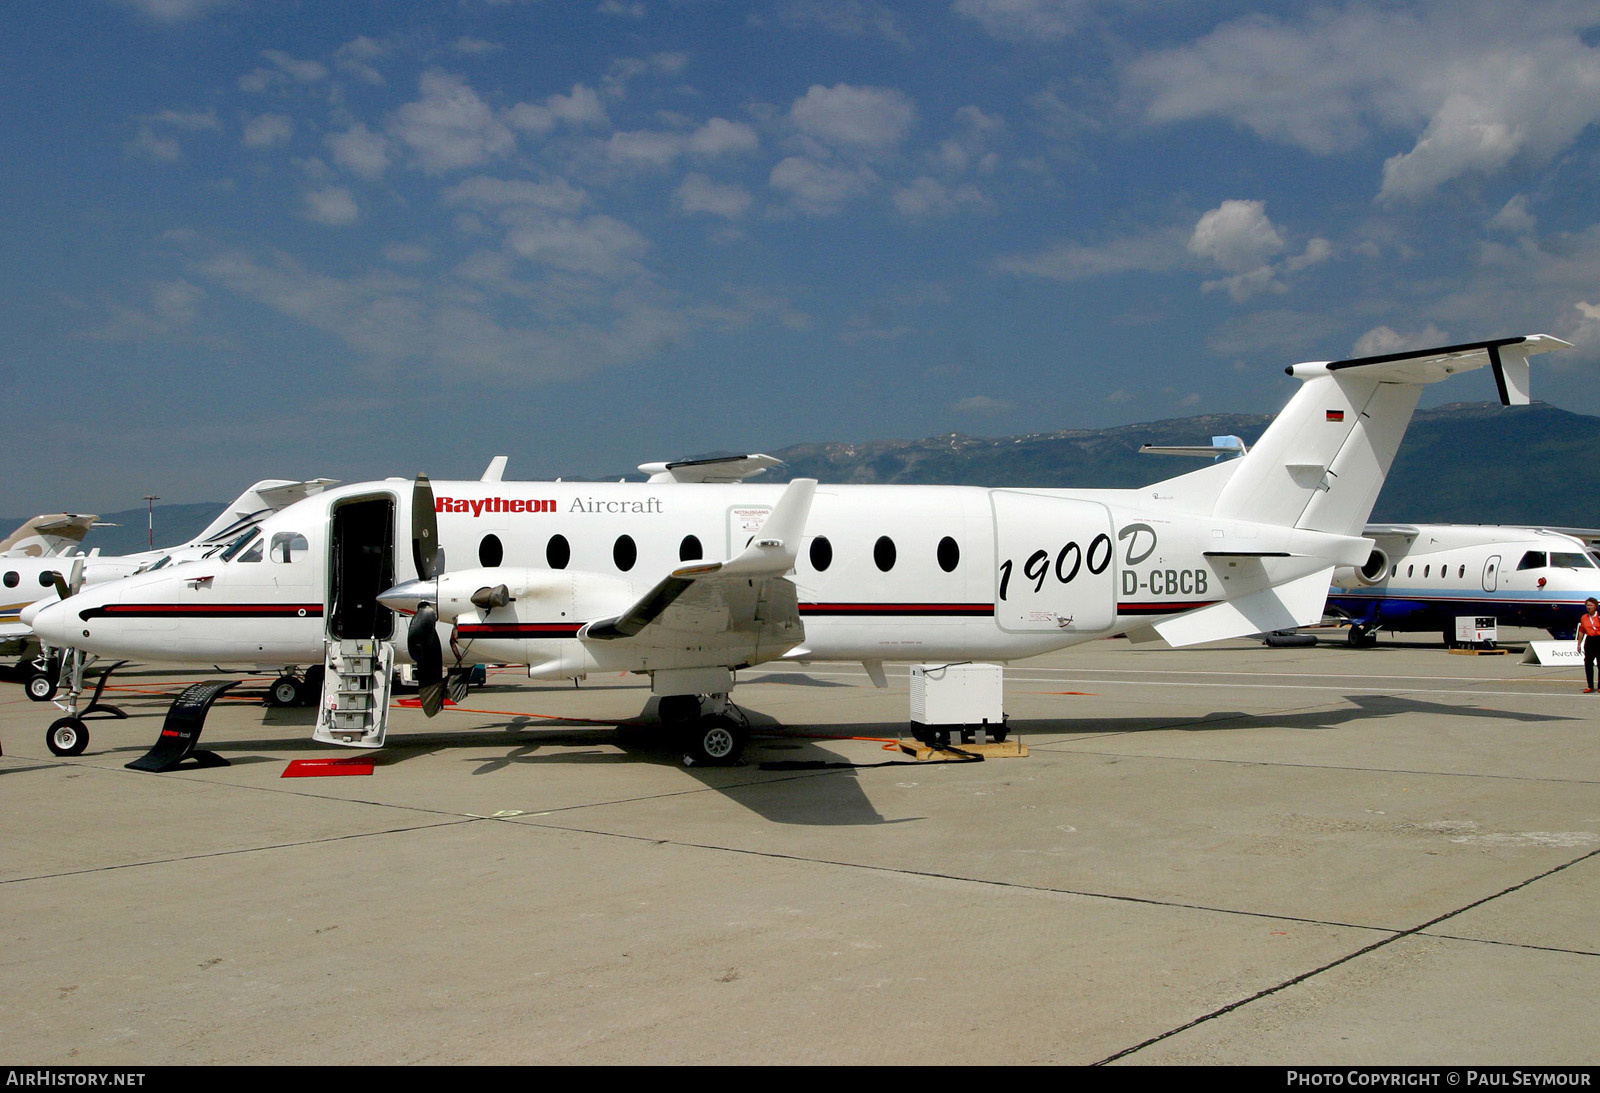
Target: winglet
{"type": "Point", "coordinates": [773, 551]}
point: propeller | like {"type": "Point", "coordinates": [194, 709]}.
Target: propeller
{"type": "Point", "coordinates": [422, 635]}
{"type": "Point", "coordinates": [70, 585]}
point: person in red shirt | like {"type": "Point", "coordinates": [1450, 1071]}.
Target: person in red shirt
{"type": "Point", "coordinates": [1589, 640]}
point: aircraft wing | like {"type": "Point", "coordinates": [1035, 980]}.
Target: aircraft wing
{"type": "Point", "coordinates": [743, 600]}
{"type": "Point", "coordinates": [14, 637]}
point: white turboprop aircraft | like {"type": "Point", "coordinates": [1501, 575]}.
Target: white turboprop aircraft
{"type": "Point", "coordinates": [1420, 577]}
{"type": "Point", "coordinates": [690, 582]}
{"type": "Point", "coordinates": [42, 577]}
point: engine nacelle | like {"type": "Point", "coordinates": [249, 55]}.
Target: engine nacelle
{"type": "Point", "coordinates": [1373, 571]}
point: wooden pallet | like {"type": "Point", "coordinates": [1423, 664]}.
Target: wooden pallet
{"type": "Point", "coordinates": [1479, 652]}
{"type": "Point", "coordinates": [1008, 749]}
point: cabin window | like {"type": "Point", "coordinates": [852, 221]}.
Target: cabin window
{"type": "Point", "coordinates": [821, 553]}
{"type": "Point", "coordinates": [1564, 560]}
{"type": "Point", "coordinates": [883, 553]}
{"type": "Point", "coordinates": [12, 577]}
{"type": "Point", "coordinates": [949, 554]}
{"type": "Point", "coordinates": [1534, 559]}
{"type": "Point", "coordinates": [1394, 570]}
{"type": "Point", "coordinates": [48, 578]}
{"type": "Point", "coordinates": [690, 550]}
{"type": "Point", "coordinates": [491, 552]}
{"type": "Point", "coordinates": [1410, 569]}
{"type": "Point", "coordinates": [624, 552]}
{"type": "Point", "coordinates": [557, 552]}
{"type": "Point", "coordinates": [1461, 572]}
{"type": "Point", "coordinates": [1426, 569]}
{"type": "Point", "coordinates": [289, 546]}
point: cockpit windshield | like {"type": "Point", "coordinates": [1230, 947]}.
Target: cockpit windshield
{"type": "Point", "coordinates": [1572, 560]}
{"type": "Point", "coordinates": [239, 544]}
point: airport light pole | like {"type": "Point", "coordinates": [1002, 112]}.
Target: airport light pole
{"type": "Point", "coordinates": [150, 500]}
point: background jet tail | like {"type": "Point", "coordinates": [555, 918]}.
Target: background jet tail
{"type": "Point", "coordinates": [46, 536]}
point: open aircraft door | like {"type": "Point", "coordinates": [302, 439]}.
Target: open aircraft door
{"type": "Point", "coordinates": [359, 649]}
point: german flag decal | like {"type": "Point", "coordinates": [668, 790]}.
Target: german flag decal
{"type": "Point", "coordinates": [1335, 415]}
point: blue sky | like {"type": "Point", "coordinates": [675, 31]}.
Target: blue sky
{"type": "Point", "coordinates": [246, 238]}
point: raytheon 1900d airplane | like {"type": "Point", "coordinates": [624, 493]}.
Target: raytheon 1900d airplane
{"type": "Point", "coordinates": [689, 582]}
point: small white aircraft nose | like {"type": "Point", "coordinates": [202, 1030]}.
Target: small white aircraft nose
{"type": "Point", "coordinates": [48, 619]}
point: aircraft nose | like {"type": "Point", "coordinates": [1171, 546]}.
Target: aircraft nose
{"type": "Point", "coordinates": [405, 597]}
{"type": "Point", "coordinates": [48, 619]}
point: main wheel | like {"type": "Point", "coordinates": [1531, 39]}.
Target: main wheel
{"type": "Point", "coordinates": [41, 686]}
{"type": "Point", "coordinates": [311, 686]}
{"type": "Point", "coordinates": [68, 736]}
{"type": "Point", "coordinates": [1360, 637]}
{"type": "Point", "coordinates": [717, 741]}
{"type": "Point", "coordinates": [285, 691]}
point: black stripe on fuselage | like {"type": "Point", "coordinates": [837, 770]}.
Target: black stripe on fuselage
{"type": "Point", "coordinates": [204, 611]}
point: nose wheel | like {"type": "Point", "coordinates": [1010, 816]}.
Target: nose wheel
{"type": "Point", "coordinates": [67, 736]}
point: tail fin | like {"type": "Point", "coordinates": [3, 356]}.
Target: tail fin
{"type": "Point", "coordinates": [1320, 464]}
{"type": "Point", "coordinates": [46, 536]}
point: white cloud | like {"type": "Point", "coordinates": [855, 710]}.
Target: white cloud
{"type": "Point", "coordinates": [1237, 236]}
{"type": "Point", "coordinates": [1024, 20]}
{"type": "Point", "coordinates": [982, 404]}
{"type": "Point", "coordinates": [450, 127]}
{"type": "Point", "coordinates": [599, 246]}
{"type": "Point", "coordinates": [1486, 84]}
{"type": "Point", "coordinates": [818, 188]}
{"type": "Point", "coordinates": [1382, 340]}
{"type": "Point", "coordinates": [930, 197]}
{"type": "Point", "coordinates": [699, 194]}
{"type": "Point", "coordinates": [360, 151]}
{"type": "Point", "coordinates": [580, 108]}
{"type": "Point", "coordinates": [644, 149]}
{"type": "Point", "coordinates": [629, 10]}
{"type": "Point", "coordinates": [720, 137]}
{"type": "Point", "coordinates": [475, 47]}
{"type": "Point", "coordinates": [860, 118]}
{"type": "Point", "coordinates": [156, 138]}
{"type": "Point", "coordinates": [1154, 251]}
{"type": "Point", "coordinates": [1514, 217]}
{"type": "Point", "coordinates": [266, 130]}
{"type": "Point", "coordinates": [332, 205]}
{"type": "Point", "coordinates": [175, 11]}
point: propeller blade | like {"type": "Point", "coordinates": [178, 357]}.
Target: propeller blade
{"type": "Point", "coordinates": [489, 598]}
{"type": "Point", "coordinates": [456, 684]}
{"type": "Point", "coordinates": [424, 530]}
{"type": "Point", "coordinates": [422, 641]}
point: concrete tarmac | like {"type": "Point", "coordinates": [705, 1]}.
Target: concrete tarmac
{"type": "Point", "coordinates": [1230, 854]}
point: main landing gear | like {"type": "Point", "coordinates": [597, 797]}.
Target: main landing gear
{"type": "Point", "coordinates": [1362, 635]}
{"type": "Point", "coordinates": [44, 678]}
{"type": "Point", "coordinates": [291, 690]}
{"type": "Point", "coordinates": [712, 730]}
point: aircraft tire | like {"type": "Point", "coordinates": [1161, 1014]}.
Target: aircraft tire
{"type": "Point", "coordinates": [715, 741]}
{"type": "Point", "coordinates": [285, 691]}
{"type": "Point", "coordinates": [67, 736]}
{"type": "Point", "coordinates": [41, 686]}
{"type": "Point", "coordinates": [311, 686]}
{"type": "Point", "coordinates": [1360, 637]}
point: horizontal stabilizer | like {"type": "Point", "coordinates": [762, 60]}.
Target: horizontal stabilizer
{"type": "Point", "coordinates": [722, 468]}
{"type": "Point", "coordinates": [1507, 356]}
{"type": "Point", "coordinates": [1297, 603]}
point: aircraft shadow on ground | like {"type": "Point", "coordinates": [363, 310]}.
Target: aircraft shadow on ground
{"type": "Point", "coordinates": [1361, 708]}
